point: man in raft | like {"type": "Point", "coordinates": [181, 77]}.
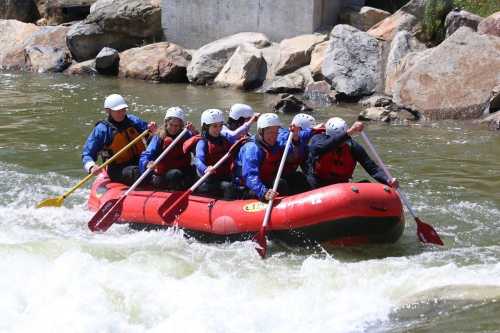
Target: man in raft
{"type": "Point", "coordinates": [174, 172]}
{"type": "Point", "coordinates": [304, 130]}
{"type": "Point", "coordinates": [241, 117]}
{"type": "Point", "coordinates": [333, 156]}
{"type": "Point", "coordinates": [210, 147]}
{"type": "Point", "coordinates": [111, 135]}
{"type": "Point", "coordinates": [258, 160]}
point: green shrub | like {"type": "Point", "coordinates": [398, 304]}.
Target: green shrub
{"type": "Point", "coordinates": [480, 7]}
{"type": "Point", "coordinates": [433, 22]}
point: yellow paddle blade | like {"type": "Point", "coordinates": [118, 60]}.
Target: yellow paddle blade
{"type": "Point", "coordinates": [51, 202]}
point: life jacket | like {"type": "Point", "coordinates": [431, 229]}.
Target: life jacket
{"type": "Point", "coordinates": [120, 138]}
{"type": "Point", "coordinates": [175, 158]}
{"type": "Point", "coordinates": [293, 160]}
{"type": "Point", "coordinates": [336, 166]}
{"type": "Point", "coordinates": [270, 163]}
{"type": "Point", "coordinates": [214, 153]}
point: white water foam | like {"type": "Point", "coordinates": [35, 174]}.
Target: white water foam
{"type": "Point", "coordinates": [58, 276]}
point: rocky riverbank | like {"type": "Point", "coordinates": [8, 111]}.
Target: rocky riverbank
{"type": "Point", "coordinates": [392, 64]}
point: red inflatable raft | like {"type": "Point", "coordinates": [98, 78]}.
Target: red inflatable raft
{"type": "Point", "coordinates": [341, 214]}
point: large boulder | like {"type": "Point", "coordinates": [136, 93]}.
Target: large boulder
{"type": "Point", "coordinates": [408, 18]}
{"type": "Point", "coordinates": [291, 83]}
{"type": "Point", "coordinates": [460, 18]}
{"type": "Point", "coordinates": [12, 34]}
{"type": "Point", "coordinates": [21, 10]}
{"type": "Point", "coordinates": [402, 44]}
{"type": "Point", "coordinates": [135, 18]}
{"type": "Point", "coordinates": [160, 62]}
{"type": "Point", "coordinates": [61, 11]}
{"type": "Point", "coordinates": [246, 69]}
{"type": "Point", "coordinates": [296, 52]}
{"type": "Point", "coordinates": [44, 50]}
{"type": "Point", "coordinates": [363, 19]}
{"type": "Point", "coordinates": [209, 60]}
{"type": "Point", "coordinates": [453, 81]}
{"type": "Point", "coordinates": [107, 61]}
{"type": "Point", "coordinates": [352, 62]}
{"type": "Point", "coordinates": [317, 59]}
{"type": "Point", "coordinates": [490, 25]}
{"type": "Point", "coordinates": [82, 68]}
{"type": "Point", "coordinates": [119, 24]}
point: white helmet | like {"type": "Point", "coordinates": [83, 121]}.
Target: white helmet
{"type": "Point", "coordinates": [268, 120]}
{"type": "Point", "coordinates": [303, 121]}
{"type": "Point", "coordinates": [212, 116]}
{"type": "Point", "coordinates": [175, 112]}
{"type": "Point", "coordinates": [115, 102]}
{"type": "Point", "coordinates": [238, 111]}
{"type": "Point", "coordinates": [336, 126]}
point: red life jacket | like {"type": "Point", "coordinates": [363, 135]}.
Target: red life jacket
{"type": "Point", "coordinates": [270, 164]}
{"type": "Point", "coordinates": [336, 166]}
{"type": "Point", "coordinates": [175, 159]}
{"type": "Point", "coordinates": [214, 153]}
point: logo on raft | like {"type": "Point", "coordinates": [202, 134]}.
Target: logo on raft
{"type": "Point", "coordinates": [253, 207]}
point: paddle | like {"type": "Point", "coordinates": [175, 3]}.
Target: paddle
{"type": "Point", "coordinates": [177, 202]}
{"type": "Point", "coordinates": [260, 237]}
{"type": "Point", "coordinates": [425, 232]}
{"type": "Point", "coordinates": [58, 201]}
{"type": "Point", "coordinates": [111, 210]}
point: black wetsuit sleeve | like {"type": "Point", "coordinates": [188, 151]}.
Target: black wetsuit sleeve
{"type": "Point", "coordinates": [360, 155]}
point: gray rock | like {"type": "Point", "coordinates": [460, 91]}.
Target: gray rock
{"type": "Point", "coordinates": [41, 50]}
{"type": "Point", "coordinates": [319, 94]}
{"type": "Point", "coordinates": [159, 62]}
{"type": "Point", "coordinates": [246, 69]}
{"type": "Point", "coordinates": [43, 59]}
{"type": "Point", "coordinates": [107, 61]}
{"type": "Point", "coordinates": [402, 44]}
{"type": "Point", "coordinates": [363, 19]}
{"type": "Point", "coordinates": [291, 83]}
{"type": "Point", "coordinates": [376, 101]}
{"type": "Point", "coordinates": [352, 62]}
{"type": "Point", "coordinates": [20, 10]}
{"type": "Point", "coordinates": [291, 104]}
{"type": "Point", "coordinates": [407, 18]}
{"type": "Point", "coordinates": [209, 60]}
{"type": "Point", "coordinates": [460, 18]}
{"type": "Point", "coordinates": [60, 11]}
{"type": "Point", "coordinates": [85, 40]}
{"type": "Point", "coordinates": [134, 18]}
{"type": "Point", "coordinates": [296, 52]}
{"type": "Point", "coordinates": [82, 68]}
{"type": "Point", "coordinates": [455, 79]}
{"type": "Point", "coordinates": [490, 25]}
{"type": "Point", "coordinates": [119, 24]}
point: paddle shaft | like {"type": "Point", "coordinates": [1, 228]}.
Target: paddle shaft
{"type": "Point", "coordinates": [109, 216]}
{"type": "Point", "coordinates": [386, 171]}
{"type": "Point", "coordinates": [205, 176]}
{"type": "Point", "coordinates": [158, 159]}
{"type": "Point", "coordinates": [269, 207]}
{"type": "Point", "coordinates": [106, 163]}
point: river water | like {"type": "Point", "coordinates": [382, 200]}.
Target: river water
{"type": "Point", "coordinates": [57, 276]}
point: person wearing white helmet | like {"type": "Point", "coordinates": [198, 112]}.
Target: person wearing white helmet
{"type": "Point", "coordinates": [258, 160]}
{"type": "Point", "coordinates": [303, 127]}
{"type": "Point", "coordinates": [111, 135]}
{"type": "Point", "coordinates": [333, 156]}
{"type": "Point", "coordinates": [174, 171]}
{"type": "Point", "coordinates": [241, 117]}
{"type": "Point", "coordinates": [209, 148]}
